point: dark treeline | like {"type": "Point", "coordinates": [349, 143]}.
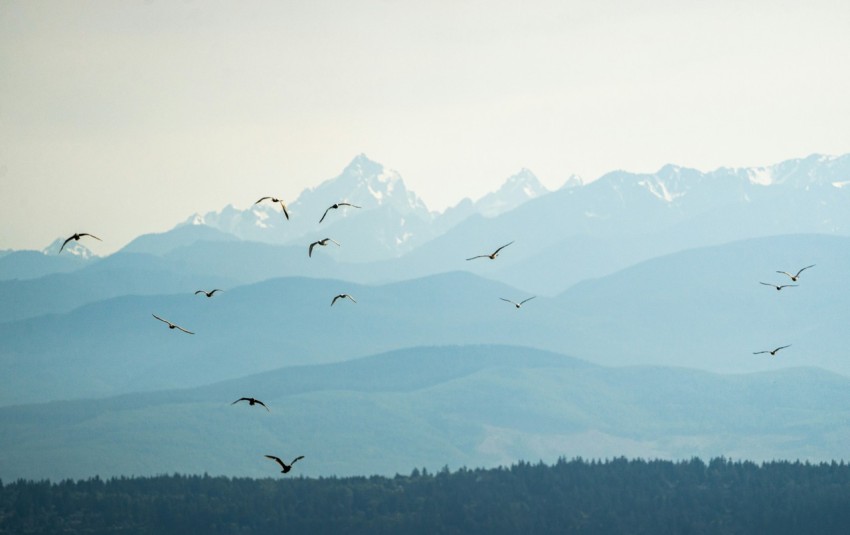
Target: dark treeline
{"type": "Point", "coordinates": [617, 496]}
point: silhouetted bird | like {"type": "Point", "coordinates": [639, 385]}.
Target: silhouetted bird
{"type": "Point", "coordinates": [342, 296]}
{"type": "Point", "coordinates": [286, 467]}
{"type": "Point", "coordinates": [322, 243]}
{"type": "Point", "coordinates": [76, 237]}
{"type": "Point", "coordinates": [279, 201]}
{"type": "Point", "coordinates": [797, 276]}
{"type": "Point", "coordinates": [778, 286]}
{"type": "Point", "coordinates": [208, 294]}
{"type": "Point", "coordinates": [518, 305]}
{"type": "Point", "coordinates": [172, 325]}
{"type": "Point", "coordinates": [772, 353]}
{"type": "Point", "coordinates": [491, 256]}
{"type": "Point", "coordinates": [251, 401]}
{"type": "Point", "coordinates": [335, 206]}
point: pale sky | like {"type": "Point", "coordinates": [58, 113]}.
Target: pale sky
{"type": "Point", "coordinates": [122, 118]}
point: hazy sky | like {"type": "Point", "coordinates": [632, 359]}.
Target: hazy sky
{"type": "Point", "coordinates": [120, 118]}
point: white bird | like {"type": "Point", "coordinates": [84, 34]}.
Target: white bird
{"type": "Point", "coordinates": [279, 201]}
{"type": "Point", "coordinates": [76, 237]}
{"type": "Point", "coordinates": [172, 325]}
{"type": "Point", "coordinates": [342, 296]}
{"type": "Point", "coordinates": [772, 353]}
{"type": "Point", "coordinates": [491, 256]}
{"type": "Point", "coordinates": [797, 276]}
{"type": "Point", "coordinates": [518, 305]}
{"type": "Point", "coordinates": [322, 242]}
{"type": "Point", "coordinates": [335, 206]}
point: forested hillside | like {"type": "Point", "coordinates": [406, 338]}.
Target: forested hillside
{"type": "Point", "coordinates": [616, 496]}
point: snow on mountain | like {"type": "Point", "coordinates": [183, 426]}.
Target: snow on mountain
{"type": "Point", "coordinates": [73, 247]}
{"type": "Point", "coordinates": [517, 190]}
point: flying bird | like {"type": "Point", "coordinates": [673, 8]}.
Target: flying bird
{"type": "Point", "coordinates": [518, 305]}
{"type": "Point", "coordinates": [778, 286]}
{"type": "Point", "coordinates": [322, 243]}
{"type": "Point", "coordinates": [772, 353]}
{"type": "Point", "coordinates": [342, 296]}
{"type": "Point", "coordinates": [76, 237]}
{"type": "Point", "coordinates": [251, 401]}
{"type": "Point", "coordinates": [797, 276]}
{"type": "Point", "coordinates": [172, 325]}
{"type": "Point", "coordinates": [286, 467]}
{"type": "Point", "coordinates": [280, 201]}
{"type": "Point", "coordinates": [491, 256]}
{"type": "Point", "coordinates": [208, 294]}
{"type": "Point", "coordinates": [335, 206]}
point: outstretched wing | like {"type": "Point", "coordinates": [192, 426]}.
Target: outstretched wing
{"type": "Point", "coordinates": [214, 291]}
{"type": "Point", "coordinates": [760, 352]}
{"type": "Point", "coordinates": [295, 460]}
{"type": "Point", "coordinates": [261, 200]}
{"type": "Point", "coordinates": [182, 329]}
{"type": "Point", "coordinates": [804, 269]}
{"type": "Point", "coordinates": [479, 256]}
{"type": "Point", "coordinates": [285, 212]}
{"type": "Point", "coordinates": [527, 300]}
{"type": "Point", "coordinates": [507, 300]}
{"type": "Point", "coordinates": [240, 399]}
{"type": "Point", "coordinates": [334, 299]}
{"type": "Point", "coordinates": [782, 347]}
{"type": "Point", "coordinates": [336, 242]}
{"type": "Point", "coordinates": [160, 319]}
{"type": "Point", "coordinates": [768, 284]}
{"type": "Point", "coordinates": [310, 250]}
{"type": "Point", "coordinates": [349, 297]}
{"type": "Point", "coordinates": [787, 286]}
{"type": "Point", "coordinates": [64, 243]}
{"type": "Point", "coordinates": [326, 213]}
{"type": "Point", "coordinates": [98, 239]}
{"type": "Point", "coordinates": [200, 292]}
{"type": "Point", "coordinates": [277, 460]}
{"type": "Point", "coordinates": [790, 276]}
{"type": "Point", "coordinates": [261, 403]}
{"type": "Point", "coordinates": [348, 204]}
{"type": "Point", "coordinates": [500, 248]}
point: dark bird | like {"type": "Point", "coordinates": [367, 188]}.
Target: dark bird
{"type": "Point", "coordinates": [251, 401]}
{"type": "Point", "coordinates": [322, 242]}
{"type": "Point", "coordinates": [280, 201]}
{"type": "Point", "coordinates": [208, 294]}
{"type": "Point", "coordinates": [518, 305]}
{"type": "Point", "coordinates": [76, 237]}
{"type": "Point", "coordinates": [335, 206]}
{"type": "Point", "coordinates": [772, 353]}
{"type": "Point", "coordinates": [491, 256]}
{"type": "Point", "coordinates": [286, 467]}
{"type": "Point", "coordinates": [778, 286]}
{"type": "Point", "coordinates": [797, 276]}
{"type": "Point", "coordinates": [171, 325]}
{"type": "Point", "coordinates": [342, 296]}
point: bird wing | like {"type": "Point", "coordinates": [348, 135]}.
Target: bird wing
{"type": "Point", "coordinates": [786, 273]}
{"type": "Point", "coordinates": [200, 292]}
{"type": "Point", "coordinates": [767, 284]}
{"type": "Point", "coordinates": [760, 352]}
{"type": "Point", "coordinates": [527, 300]}
{"type": "Point", "coordinates": [238, 400]}
{"type": "Point", "coordinates": [277, 460]}
{"type": "Point", "coordinates": [788, 286]}
{"type": "Point", "coordinates": [326, 213]}
{"type": "Point", "coordinates": [336, 242]}
{"type": "Point", "coordinates": [479, 256]}
{"type": "Point", "coordinates": [804, 269]}
{"type": "Point", "coordinates": [65, 243]}
{"type": "Point", "coordinates": [782, 347]}
{"type": "Point", "coordinates": [285, 212]}
{"type": "Point", "coordinates": [160, 319]}
{"type": "Point", "coordinates": [349, 297]}
{"type": "Point", "coordinates": [214, 291]}
{"type": "Point", "coordinates": [334, 299]}
{"type": "Point", "coordinates": [310, 250]}
{"type": "Point", "coordinates": [98, 239]}
{"type": "Point", "coordinates": [348, 204]}
{"type": "Point", "coordinates": [182, 329]}
{"type": "Point", "coordinates": [297, 459]}
{"type": "Point", "coordinates": [261, 403]}
{"type": "Point", "coordinates": [507, 300]}
{"type": "Point", "coordinates": [261, 200]}
{"type": "Point", "coordinates": [500, 248]}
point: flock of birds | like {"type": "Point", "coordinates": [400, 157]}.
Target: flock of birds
{"type": "Point", "coordinates": [285, 468]}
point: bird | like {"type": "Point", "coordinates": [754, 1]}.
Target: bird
{"type": "Point", "coordinates": [342, 296]}
{"type": "Point", "coordinates": [518, 305]}
{"type": "Point", "coordinates": [772, 353]}
{"type": "Point", "coordinates": [76, 237]}
{"type": "Point", "coordinates": [321, 242]}
{"type": "Point", "coordinates": [778, 286]}
{"type": "Point", "coordinates": [491, 256]}
{"type": "Point", "coordinates": [251, 401]}
{"type": "Point", "coordinates": [286, 467]}
{"type": "Point", "coordinates": [171, 325]}
{"type": "Point", "coordinates": [280, 201]}
{"type": "Point", "coordinates": [335, 206]}
{"type": "Point", "coordinates": [208, 294]}
{"type": "Point", "coordinates": [797, 276]}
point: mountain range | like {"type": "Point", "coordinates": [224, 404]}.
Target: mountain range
{"type": "Point", "coordinates": [647, 277]}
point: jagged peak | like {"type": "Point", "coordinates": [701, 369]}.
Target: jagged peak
{"type": "Point", "coordinates": [73, 247]}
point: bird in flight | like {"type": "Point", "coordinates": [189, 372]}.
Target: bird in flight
{"type": "Point", "coordinates": [322, 242]}
{"type": "Point", "coordinates": [491, 256]}
{"type": "Point", "coordinates": [797, 276]}
{"type": "Point", "coordinates": [342, 296]}
{"type": "Point", "coordinates": [172, 325]}
{"type": "Point", "coordinates": [778, 286]}
{"type": "Point", "coordinates": [251, 401]}
{"type": "Point", "coordinates": [76, 237]}
{"type": "Point", "coordinates": [280, 201]}
{"type": "Point", "coordinates": [335, 206]}
{"type": "Point", "coordinates": [772, 353]}
{"type": "Point", "coordinates": [208, 294]}
{"type": "Point", "coordinates": [286, 467]}
{"type": "Point", "coordinates": [518, 305]}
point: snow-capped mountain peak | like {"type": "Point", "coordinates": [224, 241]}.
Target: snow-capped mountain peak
{"type": "Point", "coordinates": [73, 247]}
{"type": "Point", "coordinates": [516, 190]}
